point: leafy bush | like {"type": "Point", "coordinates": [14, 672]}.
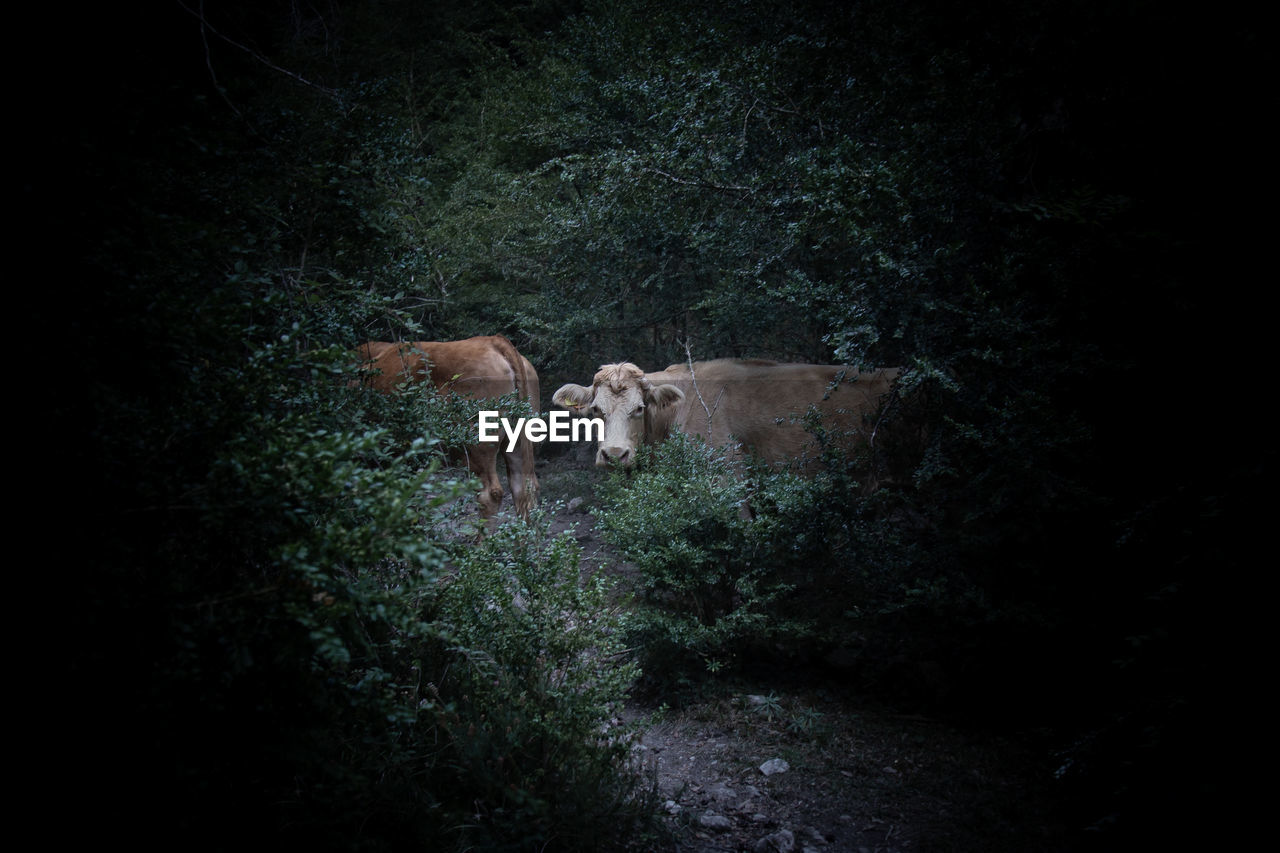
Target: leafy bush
{"type": "Point", "coordinates": [315, 654]}
{"type": "Point", "coordinates": [980, 194]}
{"type": "Point", "coordinates": [706, 576]}
{"type": "Point", "coordinates": [739, 563]}
{"type": "Point", "coordinates": [530, 698]}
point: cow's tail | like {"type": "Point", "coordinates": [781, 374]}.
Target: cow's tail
{"type": "Point", "coordinates": [533, 395]}
{"type": "Point", "coordinates": [521, 468]}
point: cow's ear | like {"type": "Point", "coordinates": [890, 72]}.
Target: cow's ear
{"type": "Point", "coordinates": [665, 395]}
{"type": "Point", "coordinates": [572, 397]}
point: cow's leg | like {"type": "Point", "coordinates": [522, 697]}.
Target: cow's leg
{"type": "Point", "coordinates": [515, 481]}
{"type": "Point", "coordinates": [483, 461]}
{"type": "Point", "coordinates": [530, 478]}
{"type": "Point", "coordinates": [521, 477]}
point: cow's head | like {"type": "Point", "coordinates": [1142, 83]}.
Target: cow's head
{"type": "Point", "coordinates": [633, 410]}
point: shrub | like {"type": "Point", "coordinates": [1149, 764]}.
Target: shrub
{"type": "Point", "coordinates": [535, 673]}
{"type": "Point", "coordinates": [706, 571]}
{"type": "Point", "coordinates": [314, 654]}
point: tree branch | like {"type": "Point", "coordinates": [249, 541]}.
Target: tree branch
{"type": "Point", "coordinates": [205, 25]}
{"type": "Point", "coordinates": [704, 184]}
{"type": "Point", "coordinates": [688, 354]}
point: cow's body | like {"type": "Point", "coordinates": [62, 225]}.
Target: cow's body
{"type": "Point", "coordinates": [480, 368]}
{"type": "Point", "coordinates": [757, 404]}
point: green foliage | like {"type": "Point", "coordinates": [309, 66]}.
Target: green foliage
{"type": "Point", "coordinates": [706, 573]}
{"type": "Point", "coordinates": [1002, 199]}
{"type": "Point", "coordinates": [369, 680]}
{"type": "Point", "coordinates": [537, 754]}
{"type": "Point", "coordinates": [769, 707]}
{"type": "Point", "coordinates": [280, 609]}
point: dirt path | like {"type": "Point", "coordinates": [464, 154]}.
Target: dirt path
{"type": "Point", "coordinates": [751, 766]}
{"type": "Point", "coordinates": [852, 779]}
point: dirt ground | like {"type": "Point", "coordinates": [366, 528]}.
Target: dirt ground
{"type": "Point", "coordinates": [809, 766]}
{"type": "Point", "coordinates": [856, 779]}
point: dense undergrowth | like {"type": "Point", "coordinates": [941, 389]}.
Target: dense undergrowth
{"type": "Point", "coordinates": [281, 621]}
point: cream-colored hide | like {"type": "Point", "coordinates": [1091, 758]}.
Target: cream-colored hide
{"type": "Point", "coordinates": [754, 403]}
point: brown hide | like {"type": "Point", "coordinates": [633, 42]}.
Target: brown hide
{"type": "Point", "coordinates": [480, 368]}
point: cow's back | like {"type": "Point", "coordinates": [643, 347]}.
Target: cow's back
{"type": "Point", "coordinates": [762, 404]}
{"type": "Point", "coordinates": [480, 368]}
{"type": "Point", "coordinates": [477, 367]}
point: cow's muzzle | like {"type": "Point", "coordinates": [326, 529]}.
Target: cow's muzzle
{"type": "Point", "coordinates": [609, 456]}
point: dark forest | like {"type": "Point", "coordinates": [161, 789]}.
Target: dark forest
{"type": "Point", "coordinates": [262, 624]}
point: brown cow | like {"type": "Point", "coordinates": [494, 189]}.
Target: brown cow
{"type": "Point", "coordinates": [756, 403]}
{"type": "Point", "coordinates": [370, 350]}
{"type": "Point", "coordinates": [484, 368]}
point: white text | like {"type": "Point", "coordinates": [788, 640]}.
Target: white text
{"type": "Point", "coordinates": [561, 426]}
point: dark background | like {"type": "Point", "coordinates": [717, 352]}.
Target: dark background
{"type": "Point", "coordinates": [1052, 213]}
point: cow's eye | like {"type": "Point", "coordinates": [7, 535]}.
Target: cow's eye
{"type": "Point", "coordinates": [637, 411]}
{"type": "Point", "coordinates": [594, 411]}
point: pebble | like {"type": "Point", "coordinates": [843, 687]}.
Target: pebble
{"type": "Point", "coordinates": [774, 765]}
{"type": "Point", "coordinates": [781, 841]}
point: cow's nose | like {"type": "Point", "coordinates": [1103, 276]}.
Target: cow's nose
{"type": "Point", "coordinates": [615, 455]}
